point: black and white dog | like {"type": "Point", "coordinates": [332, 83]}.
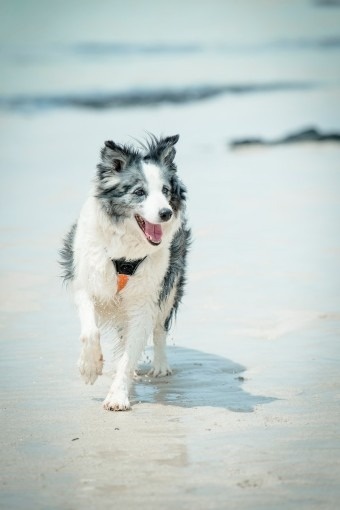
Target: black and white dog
{"type": "Point", "coordinates": [126, 258]}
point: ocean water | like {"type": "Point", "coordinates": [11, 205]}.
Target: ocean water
{"type": "Point", "coordinates": [76, 54]}
{"type": "Point", "coordinates": [77, 73]}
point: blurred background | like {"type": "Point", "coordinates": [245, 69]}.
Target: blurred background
{"type": "Point", "coordinates": [264, 218]}
{"type": "Point", "coordinates": [77, 73]}
{"type": "Point", "coordinates": [264, 263]}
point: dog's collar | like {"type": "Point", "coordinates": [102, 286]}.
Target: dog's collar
{"type": "Point", "coordinates": [125, 268]}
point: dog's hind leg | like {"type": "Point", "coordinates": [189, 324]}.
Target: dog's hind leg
{"type": "Point", "coordinates": [90, 362]}
{"type": "Point", "coordinates": [160, 367]}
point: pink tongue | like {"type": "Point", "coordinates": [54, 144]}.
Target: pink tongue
{"type": "Point", "coordinates": [153, 232]}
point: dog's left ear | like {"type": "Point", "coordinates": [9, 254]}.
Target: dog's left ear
{"type": "Point", "coordinates": [165, 149]}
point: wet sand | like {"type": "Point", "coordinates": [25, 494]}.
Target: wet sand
{"type": "Point", "coordinates": [250, 417]}
{"type": "Point", "coordinates": [214, 435]}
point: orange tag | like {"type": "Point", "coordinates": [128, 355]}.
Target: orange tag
{"type": "Point", "coordinates": [122, 280]}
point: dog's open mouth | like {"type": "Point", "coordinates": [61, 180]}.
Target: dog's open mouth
{"type": "Point", "coordinates": [152, 232]}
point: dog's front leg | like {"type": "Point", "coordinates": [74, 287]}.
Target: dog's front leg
{"type": "Point", "coordinates": [90, 362]}
{"type": "Point", "coordinates": [139, 329]}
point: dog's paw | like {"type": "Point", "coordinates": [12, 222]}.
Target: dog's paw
{"type": "Point", "coordinates": [117, 401]}
{"type": "Point", "coordinates": [90, 363]}
{"type": "Point", "coordinates": [137, 376]}
{"type": "Point", "coordinates": [160, 370]}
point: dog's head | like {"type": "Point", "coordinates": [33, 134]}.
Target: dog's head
{"type": "Point", "coordinates": [141, 185]}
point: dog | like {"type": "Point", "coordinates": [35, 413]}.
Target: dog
{"type": "Point", "coordinates": [125, 259]}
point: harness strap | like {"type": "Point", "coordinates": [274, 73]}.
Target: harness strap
{"type": "Point", "coordinates": [124, 269]}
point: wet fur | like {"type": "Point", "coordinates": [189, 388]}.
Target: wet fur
{"type": "Point", "coordinates": [107, 230]}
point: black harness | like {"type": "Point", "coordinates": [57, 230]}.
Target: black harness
{"type": "Point", "coordinates": [126, 266]}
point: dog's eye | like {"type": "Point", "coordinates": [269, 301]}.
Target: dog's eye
{"type": "Point", "coordinates": [139, 192]}
{"type": "Point", "coordinates": [166, 190]}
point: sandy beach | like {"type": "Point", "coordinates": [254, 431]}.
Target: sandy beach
{"type": "Point", "coordinates": [250, 417]}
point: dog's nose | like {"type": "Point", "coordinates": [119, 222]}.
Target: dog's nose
{"type": "Point", "coordinates": [165, 214]}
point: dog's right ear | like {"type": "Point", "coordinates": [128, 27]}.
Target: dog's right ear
{"type": "Point", "coordinates": [114, 156]}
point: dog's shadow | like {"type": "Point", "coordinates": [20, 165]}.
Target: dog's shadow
{"type": "Point", "coordinates": [198, 379]}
